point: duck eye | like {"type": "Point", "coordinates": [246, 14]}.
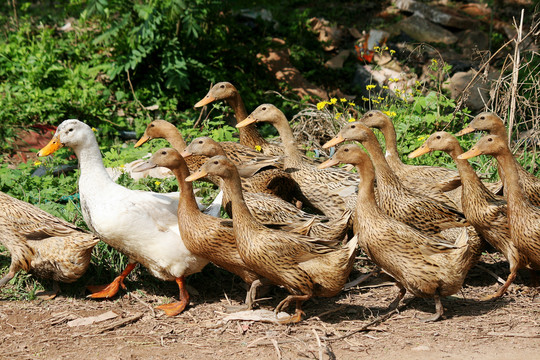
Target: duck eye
{"type": "Point", "coordinates": [152, 125]}
{"type": "Point", "coordinates": [345, 150]}
{"type": "Point", "coordinates": [163, 152]}
{"type": "Point", "coordinates": [215, 162]}
{"type": "Point", "coordinates": [482, 117]}
{"type": "Point", "coordinates": [264, 108]}
{"type": "Point", "coordinates": [371, 114]}
{"type": "Point", "coordinates": [222, 86]}
{"type": "Point", "coordinates": [70, 130]}
{"type": "Point", "coordinates": [353, 126]}
{"type": "Point", "coordinates": [490, 139]}
{"type": "Point", "coordinates": [200, 141]}
{"type": "Point", "coordinates": [438, 136]}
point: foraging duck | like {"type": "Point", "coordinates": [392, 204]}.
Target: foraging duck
{"type": "Point", "coordinates": [42, 244]}
{"type": "Point", "coordinates": [420, 263]}
{"type": "Point", "coordinates": [485, 211]}
{"type": "Point", "coordinates": [421, 178]}
{"type": "Point", "coordinates": [140, 224]}
{"type": "Point", "coordinates": [269, 209]}
{"type": "Point", "coordinates": [205, 236]}
{"type": "Point", "coordinates": [249, 136]}
{"type": "Point", "coordinates": [301, 264]}
{"type": "Point", "coordinates": [415, 209]}
{"type": "Point", "coordinates": [331, 191]}
{"type": "Point", "coordinates": [492, 123]}
{"type": "Point", "coordinates": [523, 216]}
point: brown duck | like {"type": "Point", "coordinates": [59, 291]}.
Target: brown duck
{"type": "Point", "coordinates": [523, 216]}
{"type": "Point", "coordinates": [301, 264]}
{"type": "Point", "coordinates": [420, 263]}
{"type": "Point", "coordinates": [484, 210]}
{"type": "Point", "coordinates": [43, 244]}
{"type": "Point", "coordinates": [492, 123]}
{"type": "Point", "coordinates": [269, 209]}
{"type": "Point", "coordinates": [249, 135]}
{"type": "Point", "coordinates": [331, 191]}
{"type": "Point", "coordinates": [204, 235]}
{"type": "Point", "coordinates": [415, 209]}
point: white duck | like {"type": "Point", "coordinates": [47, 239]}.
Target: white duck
{"type": "Point", "coordinates": [142, 225]}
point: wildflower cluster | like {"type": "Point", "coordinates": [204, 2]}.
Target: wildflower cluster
{"type": "Point", "coordinates": [339, 108]}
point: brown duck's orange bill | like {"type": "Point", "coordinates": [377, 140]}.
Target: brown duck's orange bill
{"type": "Point", "coordinates": [51, 147]}
{"type": "Point", "coordinates": [142, 140]}
{"type": "Point", "coordinates": [185, 154]}
{"type": "Point", "coordinates": [470, 154]}
{"type": "Point", "coordinates": [328, 163]}
{"type": "Point", "coordinates": [247, 121]}
{"type": "Point", "coordinates": [467, 130]}
{"type": "Point", "coordinates": [196, 175]}
{"type": "Point", "coordinates": [338, 139]}
{"type": "Point", "coordinates": [424, 149]}
{"type": "Point", "coordinates": [205, 101]}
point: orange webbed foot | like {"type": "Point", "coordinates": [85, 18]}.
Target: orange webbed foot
{"type": "Point", "coordinates": [105, 291]}
{"type": "Point", "coordinates": [293, 319]}
{"type": "Point", "coordinates": [173, 309]}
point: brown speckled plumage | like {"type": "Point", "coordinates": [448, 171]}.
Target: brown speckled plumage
{"type": "Point", "coordinates": [420, 263]}
{"type": "Point", "coordinates": [415, 209]}
{"type": "Point", "coordinates": [523, 216]}
{"type": "Point", "coordinates": [326, 190]}
{"type": "Point", "coordinates": [492, 123]}
{"type": "Point", "coordinates": [267, 208]}
{"type": "Point", "coordinates": [301, 264]}
{"type": "Point", "coordinates": [42, 243]}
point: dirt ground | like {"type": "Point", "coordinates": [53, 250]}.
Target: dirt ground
{"type": "Point", "coordinates": [507, 328]}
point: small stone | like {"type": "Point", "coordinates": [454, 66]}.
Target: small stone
{"type": "Point", "coordinates": [423, 30]}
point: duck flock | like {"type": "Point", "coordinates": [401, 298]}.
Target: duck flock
{"type": "Point", "coordinates": [424, 226]}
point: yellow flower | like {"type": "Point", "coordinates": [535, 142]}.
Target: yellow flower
{"type": "Point", "coordinates": [321, 105]}
{"type": "Point", "coordinates": [422, 137]}
{"type": "Point", "coordinates": [386, 48]}
{"type": "Point", "coordinates": [385, 87]}
{"type": "Point", "coordinates": [333, 101]}
{"type": "Point", "coordinates": [375, 101]}
{"type": "Point", "coordinates": [365, 98]}
{"type": "Point", "coordinates": [380, 98]}
{"type": "Point", "coordinates": [390, 113]}
{"type": "Point", "coordinates": [338, 115]}
{"type": "Point", "coordinates": [352, 104]}
{"type": "Point", "coordinates": [157, 183]}
{"type": "Point", "coordinates": [258, 148]}
{"type": "Point", "coordinates": [392, 52]}
{"type": "Point", "coordinates": [94, 129]}
{"type": "Point", "coordinates": [376, 48]}
{"type": "Point", "coordinates": [37, 163]}
{"type": "Point", "coordinates": [434, 61]}
{"type": "Point", "coordinates": [370, 87]}
{"type": "Point", "coordinates": [417, 83]}
{"type": "Point", "coordinates": [352, 120]}
{"type": "Point", "coordinates": [343, 100]}
{"type": "Point", "coordinates": [122, 166]}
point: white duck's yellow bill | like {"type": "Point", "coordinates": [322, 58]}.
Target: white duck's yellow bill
{"type": "Point", "coordinates": [338, 139]}
{"type": "Point", "coordinates": [196, 175]}
{"type": "Point", "coordinates": [51, 147]}
{"type": "Point", "coordinates": [467, 130]}
{"type": "Point", "coordinates": [247, 121]}
{"type": "Point", "coordinates": [470, 154]}
{"type": "Point", "coordinates": [205, 101]}
{"type": "Point", "coordinates": [142, 140]}
{"type": "Point", "coordinates": [424, 149]}
{"type": "Point", "coordinates": [328, 163]}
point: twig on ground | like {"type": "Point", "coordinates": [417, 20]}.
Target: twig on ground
{"type": "Point", "coordinates": [331, 311]}
{"type": "Point", "coordinates": [318, 344]}
{"type": "Point", "coordinates": [136, 297]}
{"type": "Point", "coordinates": [276, 346]}
{"type": "Point", "coordinates": [357, 281]}
{"type": "Point", "coordinates": [119, 323]}
{"type": "Point", "coordinates": [499, 279]}
{"type": "Point", "coordinates": [493, 333]}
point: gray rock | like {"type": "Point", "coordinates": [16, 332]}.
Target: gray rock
{"type": "Point", "coordinates": [477, 95]}
{"type": "Point", "coordinates": [423, 30]}
{"type": "Point", "coordinates": [473, 40]}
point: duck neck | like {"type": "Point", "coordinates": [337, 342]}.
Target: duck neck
{"type": "Point", "coordinates": [499, 130]}
{"type": "Point", "coordinates": [390, 138]}
{"type": "Point", "coordinates": [383, 170]}
{"type": "Point", "coordinates": [366, 203]}
{"type": "Point", "coordinates": [290, 147]}
{"type": "Point", "coordinates": [466, 172]}
{"type": "Point", "coordinates": [188, 203]}
{"type": "Point", "coordinates": [242, 217]}
{"type": "Point", "coordinates": [515, 196]}
{"type": "Point", "coordinates": [249, 135]}
{"type": "Point", "coordinates": [90, 160]}
{"type": "Point", "coordinates": [175, 138]}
